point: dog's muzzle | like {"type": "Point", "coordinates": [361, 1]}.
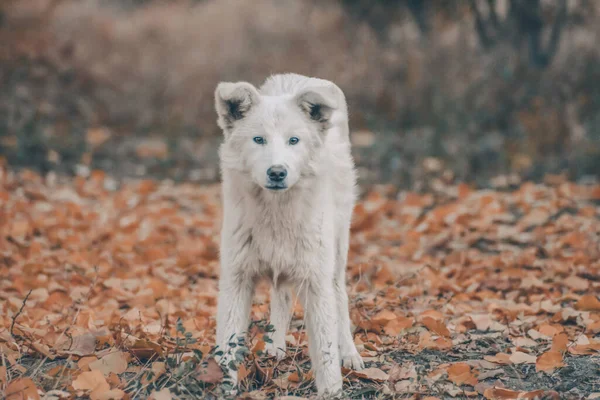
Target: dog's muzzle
{"type": "Point", "coordinates": [276, 175]}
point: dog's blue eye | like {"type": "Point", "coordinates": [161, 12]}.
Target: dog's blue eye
{"type": "Point", "coordinates": [294, 140]}
{"type": "Point", "coordinates": [259, 140]}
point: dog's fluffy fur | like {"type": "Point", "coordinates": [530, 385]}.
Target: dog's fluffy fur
{"type": "Point", "coordinates": [296, 237]}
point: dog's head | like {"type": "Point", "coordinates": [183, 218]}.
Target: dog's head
{"type": "Point", "coordinates": [276, 141]}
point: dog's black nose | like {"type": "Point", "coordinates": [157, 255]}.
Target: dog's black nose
{"type": "Point", "coordinates": [277, 173]}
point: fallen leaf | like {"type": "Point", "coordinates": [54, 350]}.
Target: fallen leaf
{"type": "Point", "coordinates": [549, 361]}
{"type": "Point", "coordinates": [80, 345]}
{"type": "Point", "coordinates": [146, 349]}
{"type": "Point", "coordinates": [461, 374]}
{"type": "Point", "coordinates": [588, 302]}
{"type": "Point", "coordinates": [212, 373]}
{"type": "Point", "coordinates": [500, 358]}
{"type": "Point", "coordinates": [373, 374]}
{"type": "Point", "coordinates": [115, 361]}
{"type": "Point", "coordinates": [519, 357]}
{"type": "Point", "coordinates": [436, 326]}
{"type": "Point", "coordinates": [21, 389]}
{"type": "Point", "coordinates": [113, 394]}
{"type": "Point", "coordinates": [383, 317]}
{"type": "Point", "coordinates": [91, 381]}
{"type": "Point", "coordinates": [84, 362]}
{"type": "Point", "coordinates": [492, 373]}
{"type": "Point", "coordinates": [560, 342]}
{"type": "Point", "coordinates": [396, 326]}
{"type": "Point", "coordinates": [507, 394]}
{"type": "Point", "coordinates": [163, 394]}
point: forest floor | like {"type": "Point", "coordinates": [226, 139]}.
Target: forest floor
{"type": "Point", "coordinates": [108, 291]}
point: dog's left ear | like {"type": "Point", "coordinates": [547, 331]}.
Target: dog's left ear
{"type": "Point", "coordinates": [318, 103]}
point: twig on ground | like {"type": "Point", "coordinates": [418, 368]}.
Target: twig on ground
{"type": "Point", "coordinates": [14, 319]}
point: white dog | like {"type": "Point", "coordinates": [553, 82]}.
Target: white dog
{"type": "Point", "coordinates": [288, 194]}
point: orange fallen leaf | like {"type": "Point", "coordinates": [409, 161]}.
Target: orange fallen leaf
{"type": "Point", "coordinates": [21, 389]}
{"type": "Point", "coordinates": [585, 349]}
{"type": "Point", "coordinates": [113, 394]}
{"type": "Point", "coordinates": [372, 374]}
{"type": "Point", "coordinates": [211, 373]}
{"type": "Point", "coordinates": [383, 317]}
{"type": "Point", "coordinates": [507, 394]}
{"type": "Point", "coordinates": [84, 362]}
{"type": "Point", "coordinates": [500, 358]}
{"type": "Point", "coordinates": [115, 361]}
{"type": "Point", "coordinates": [588, 302]}
{"type": "Point", "coordinates": [294, 377]}
{"type": "Point", "coordinates": [436, 326]}
{"type": "Point", "coordinates": [243, 372]}
{"type": "Point", "coordinates": [396, 326]}
{"type": "Point", "coordinates": [560, 341]}
{"type": "Point", "coordinates": [146, 349]}
{"type": "Point", "coordinates": [461, 374]}
{"type": "Point", "coordinates": [163, 394]}
{"type": "Point", "coordinates": [426, 341]}
{"type": "Point", "coordinates": [549, 361]}
{"type": "Point", "coordinates": [259, 346]}
{"type": "Point", "coordinates": [91, 381]}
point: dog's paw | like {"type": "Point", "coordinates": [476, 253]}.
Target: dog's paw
{"type": "Point", "coordinates": [275, 350]}
{"type": "Point", "coordinates": [353, 361]}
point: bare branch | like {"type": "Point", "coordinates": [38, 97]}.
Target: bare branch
{"type": "Point", "coordinates": [559, 23]}
{"type": "Point", "coordinates": [484, 37]}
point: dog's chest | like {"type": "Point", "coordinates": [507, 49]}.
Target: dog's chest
{"type": "Point", "coordinates": [286, 244]}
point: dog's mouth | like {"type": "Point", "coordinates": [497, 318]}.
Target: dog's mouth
{"type": "Point", "coordinates": [276, 186]}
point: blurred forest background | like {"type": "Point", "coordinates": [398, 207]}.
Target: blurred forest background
{"type": "Point", "coordinates": [487, 91]}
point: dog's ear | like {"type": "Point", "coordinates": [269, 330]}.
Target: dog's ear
{"type": "Point", "coordinates": [318, 103]}
{"type": "Point", "coordinates": [233, 101]}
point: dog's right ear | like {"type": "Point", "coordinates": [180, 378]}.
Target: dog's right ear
{"type": "Point", "coordinates": [233, 101]}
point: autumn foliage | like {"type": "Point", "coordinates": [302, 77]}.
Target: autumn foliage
{"type": "Point", "coordinates": [108, 290]}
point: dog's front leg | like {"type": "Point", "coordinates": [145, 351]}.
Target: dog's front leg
{"type": "Point", "coordinates": [281, 315]}
{"type": "Point", "coordinates": [321, 321]}
{"type": "Point", "coordinates": [233, 312]}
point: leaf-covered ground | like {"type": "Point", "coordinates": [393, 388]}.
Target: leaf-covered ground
{"type": "Point", "coordinates": [108, 291]}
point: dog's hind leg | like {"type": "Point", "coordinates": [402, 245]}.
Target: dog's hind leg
{"type": "Point", "coordinates": [281, 314]}
{"type": "Point", "coordinates": [349, 356]}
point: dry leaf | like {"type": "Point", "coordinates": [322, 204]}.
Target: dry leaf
{"type": "Point", "coordinates": [519, 357]}
{"type": "Point", "coordinates": [91, 381]}
{"type": "Point", "coordinates": [113, 394]}
{"type": "Point", "coordinates": [81, 345]}
{"type": "Point", "coordinates": [212, 373]}
{"type": "Point", "coordinates": [588, 302]}
{"type": "Point", "coordinates": [115, 362]}
{"type": "Point", "coordinates": [21, 389]}
{"type": "Point", "coordinates": [461, 374]}
{"type": "Point", "coordinates": [549, 361]}
{"type": "Point", "coordinates": [146, 350]}
{"type": "Point", "coordinates": [373, 374]}
{"type": "Point", "coordinates": [507, 394]}
{"type": "Point", "coordinates": [383, 317]}
{"type": "Point", "coordinates": [397, 325]}
{"type": "Point", "coordinates": [163, 394]}
{"type": "Point", "coordinates": [500, 358]}
{"type": "Point", "coordinates": [560, 342]}
{"type": "Point", "coordinates": [436, 326]}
